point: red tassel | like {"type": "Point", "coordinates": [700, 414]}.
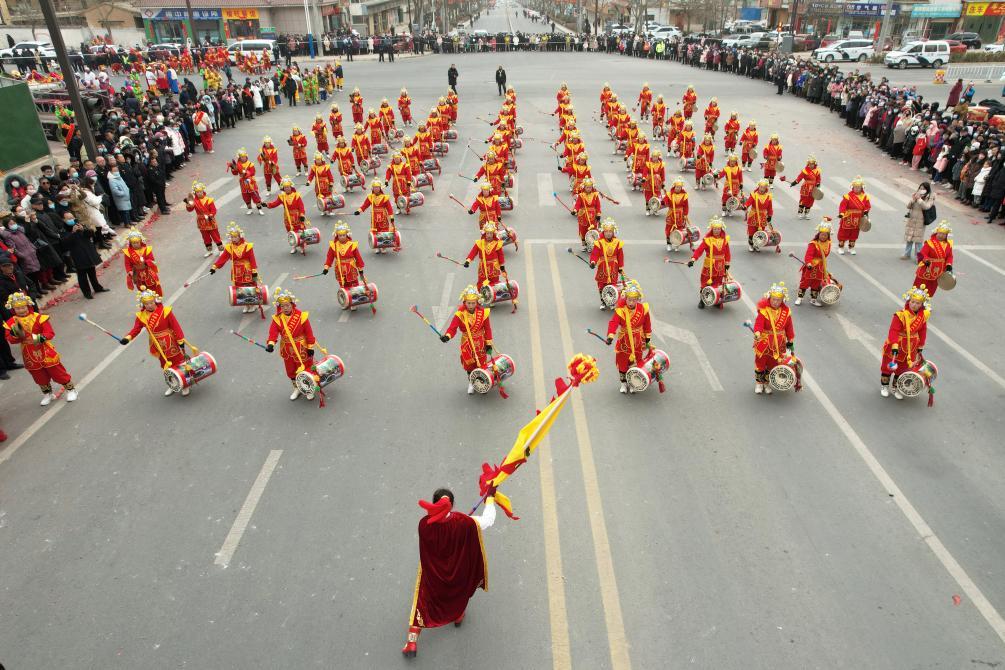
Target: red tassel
{"type": "Point", "coordinates": [931, 396]}
{"type": "Point", "coordinates": [663, 387]}
{"type": "Point", "coordinates": [502, 392]}
{"type": "Point", "coordinates": [321, 397]}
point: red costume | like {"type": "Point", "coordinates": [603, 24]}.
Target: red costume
{"type": "Point", "coordinates": [904, 341]}
{"type": "Point", "coordinates": [814, 272]}
{"type": "Point", "coordinates": [634, 329]}
{"type": "Point", "coordinates": [164, 332]}
{"type": "Point", "coordinates": [245, 172]}
{"type": "Point", "coordinates": [487, 206]}
{"type": "Point", "coordinates": [323, 179]}
{"type": "Point", "coordinates": [853, 206]}
{"type": "Point", "coordinates": [774, 332]}
{"type": "Point", "coordinates": [732, 130]}
{"type": "Point", "coordinates": [294, 213]}
{"type": "Point", "coordinates": [690, 100]}
{"type": "Point", "coordinates": [381, 212]}
{"type": "Point", "coordinates": [748, 141]}
{"type": "Point", "coordinates": [760, 209]}
{"type": "Point", "coordinates": [141, 269]}
{"type": "Point", "coordinates": [269, 158]}
{"type": "Point", "coordinates": [476, 335]}
{"type": "Point", "coordinates": [935, 258]}
{"type": "Point", "coordinates": [347, 261]}
{"type": "Point", "coordinates": [609, 258]}
{"type": "Point", "coordinates": [811, 179]}
{"type": "Point", "coordinates": [587, 211]}
{"type": "Point", "coordinates": [491, 260]}
{"type": "Point", "coordinates": [205, 219]}
{"type": "Point", "coordinates": [296, 337]}
{"type": "Point", "coordinates": [678, 209]}
{"type": "Point", "coordinates": [41, 359]}
{"type": "Point", "coordinates": [772, 156]}
{"type": "Point", "coordinates": [244, 267]}
{"type": "Point", "coordinates": [299, 143]}
{"type": "Point", "coordinates": [716, 251]}
{"type": "Point", "coordinates": [405, 108]}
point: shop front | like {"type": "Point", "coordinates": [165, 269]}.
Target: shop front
{"type": "Point", "coordinates": [241, 24]}
{"type": "Point", "coordinates": [985, 19]}
{"type": "Point", "coordinates": [935, 20]}
{"type": "Point", "coordinates": [866, 17]}
{"type": "Point", "coordinates": [169, 25]}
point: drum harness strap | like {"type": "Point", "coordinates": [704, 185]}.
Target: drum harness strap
{"type": "Point", "coordinates": [627, 316]}
{"type": "Point", "coordinates": [153, 338]}
{"type": "Point", "coordinates": [907, 319]}
{"type": "Point", "coordinates": [471, 339]}
{"type": "Point", "coordinates": [485, 262]}
{"type": "Point", "coordinates": [284, 322]}
{"type": "Point", "coordinates": [607, 265]}
{"type": "Point", "coordinates": [823, 258]}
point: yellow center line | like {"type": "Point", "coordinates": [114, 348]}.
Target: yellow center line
{"type": "Point", "coordinates": [560, 652]}
{"type": "Point", "coordinates": [615, 624]}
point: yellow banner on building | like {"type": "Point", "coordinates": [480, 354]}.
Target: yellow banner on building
{"type": "Point", "coordinates": [240, 14]}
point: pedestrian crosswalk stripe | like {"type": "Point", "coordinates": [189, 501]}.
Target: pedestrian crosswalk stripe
{"type": "Point", "coordinates": [616, 188]}
{"type": "Point", "coordinates": [217, 184]}
{"type": "Point", "coordinates": [876, 184]}
{"type": "Point", "coordinates": [545, 187]}
{"type": "Point", "coordinates": [785, 190]}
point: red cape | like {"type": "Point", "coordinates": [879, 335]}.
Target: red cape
{"type": "Point", "coordinates": [452, 566]}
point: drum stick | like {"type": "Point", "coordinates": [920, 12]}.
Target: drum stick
{"type": "Point", "coordinates": [555, 194]}
{"type": "Point", "coordinates": [670, 260]}
{"type": "Point", "coordinates": [249, 340]}
{"type": "Point", "coordinates": [793, 256]}
{"type": "Point", "coordinates": [83, 317]}
{"type": "Point", "coordinates": [451, 196]}
{"type": "Point", "coordinates": [448, 258]}
{"type": "Point", "coordinates": [577, 255]}
{"type": "Point", "coordinates": [200, 277]}
{"type": "Point", "coordinates": [602, 339]}
{"type": "Point", "coordinates": [366, 287]}
{"type": "Point", "coordinates": [468, 147]}
{"type": "Point", "coordinates": [513, 300]}
{"type": "Point", "coordinates": [471, 179]}
{"type": "Point", "coordinates": [415, 309]}
{"type": "Point", "coordinates": [299, 277]}
{"type": "Point", "coordinates": [604, 195]}
{"type": "Point", "coordinates": [748, 325]}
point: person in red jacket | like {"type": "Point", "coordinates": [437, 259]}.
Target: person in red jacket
{"type": "Point", "coordinates": [811, 180]}
{"type": "Point", "coordinates": [399, 176]}
{"type": "Point", "coordinates": [291, 328]}
{"type": "Point", "coordinates": [645, 99]}
{"type": "Point", "coordinates": [269, 158]}
{"type": "Point", "coordinates": [678, 208]}
{"type": "Point", "coordinates": [587, 210]}
{"type": "Point", "coordinates": [935, 258]}
{"type": "Point", "coordinates": [472, 321]}
{"type": "Point", "coordinates": [298, 141]}
{"type": "Point", "coordinates": [690, 99]}
{"type": "Point", "coordinates": [167, 340]}
{"type": "Point", "coordinates": [452, 564]}
{"type": "Point", "coordinates": [335, 119]}
{"type": "Point", "coordinates": [405, 107]}
{"type": "Point", "coordinates": [324, 182]}
{"type": "Point", "coordinates": [34, 333]}
{"type": "Point", "coordinates": [243, 266]}
{"type": "Point", "coordinates": [814, 272]}
{"type": "Point", "coordinates": [854, 205]}
{"type": "Point", "coordinates": [344, 256]}
{"type": "Point", "coordinates": [748, 142]}
{"type": "Point", "coordinates": [732, 130]}
{"type": "Point", "coordinates": [703, 161]}
{"type": "Point", "coordinates": [487, 205]}
{"type": "Point", "coordinates": [715, 247]}
{"type": "Point", "coordinates": [205, 217]}
{"type": "Point", "coordinates": [294, 213]}
{"type": "Point", "coordinates": [381, 210]}
{"type": "Point", "coordinates": [732, 176]}
{"type": "Point", "coordinates": [488, 249]}
{"type": "Point", "coordinates": [244, 170]}
{"type": "Point", "coordinates": [141, 266]}
{"type": "Point", "coordinates": [772, 157]}
{"type": "Point", "coordinates": [760, 209]}
{"type": "Point", "coordinates": [712, 113]}
{"type": "Point", "coordinates": [631, 324]}
{"type": "Point", "coordinates": [608, 258]}
{"type": "Point", "coordinates": [320, 130]}
{"type": "Point", "coordinates": [774, 335]}
{"type": "Point", "coordinates": [905, 340]}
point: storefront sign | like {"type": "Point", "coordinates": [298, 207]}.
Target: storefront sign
{"type": "Point", "coordinates": [937, 10]}
{"type": "Point", "coordinates": [868, 9]}
{"type": "Point", "coordinates": [986, 9]}
{"type": "Point", "coordinates": [182, 15]}
{"type": "Point", "coordinates": [240, 14]}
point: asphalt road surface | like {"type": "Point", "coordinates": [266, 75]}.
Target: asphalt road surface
{"type": "Point", "coordinates": [706, 527]}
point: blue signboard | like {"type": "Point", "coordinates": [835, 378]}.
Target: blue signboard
{"type": "Point", "coordinates": [182, 15]}
{"type": "Point", "coordinates": [868, 9]}
{"type": "Point", "coordinates": [750, 13]}
{"type": "Point", "coordinates": [937, 10]}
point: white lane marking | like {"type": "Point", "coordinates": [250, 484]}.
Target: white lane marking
{"type": "Point", "coordinates": [443, 310]}
{"type": "Point", "coordinates": [854, 332]}
{"type": "Point", "coordinates": [40, 422]}
{"type": "Point", "coordinates": [785, 188]}
{"type": "Point", "coordinates": [212, 186]}
{"type": "Point", "coordinates": [979, 259]}
{"type": "Point", "coordinates": [666, 330]}
{"type": "Point", "coordinates": [832, 196]}
{"type": "Point", "coordinates": [896, 195]}
{"type": "Point", "coordinates": [742, 243]}
{"type": "Point", "coordinates": [227, 197]}
{"type": "Point", "coordinates": [616, 189]}
{"type": "Point", "coordinates": [921, 527]}
{"type": "Point", "coordinates": [344, 317]}
{"type": "Point", "coordinates": [953, 344]}
{"type": "Point", "coordinates": [247, 509]}
{"type": "Point", "coordinates": [251, 316]}
{"type": "Point", "coordinates": [545, 188]}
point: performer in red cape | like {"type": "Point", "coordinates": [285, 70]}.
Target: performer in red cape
{"type": "Point", "coordinates": [34, 333]}
{"type": "Point", "coordinates": [344, 256]}
{"type": "Point", "coordinates": [243, 266]}
{"type": "Point", "coordinates": [935, 258]}
{"type": "Point", "coordinates": [773, 334]}
{"type": "Point", "coordinates": [607, 258]}
{"type": "Point", "coordinates": [633, 326]}
{"type": "Point", "coordinates": [814, 273]}
{"type": "Point", "coordinates": [141, 267]}
{"type": "Point", "coordinates": [678, 208]}
{"type": "Point", "coordinates": [715, 246]}
{"type": "Point", "coordinates": [244, 170]}
{"type": "Point", "coordinates": [452, 564]}
{"type": "Point", "coordinates": [293, 331]}
{"type": "Point", "coordinates": [476, 338]}
{"type": "Point", "coordinates": [811, 179]}
{"type": "Point", "coordinates": [854, 205]}
{"type": "Point", "coordinates": [488, 249]}
{"type": "Point", "coordinates": [167, 340]}
{"type": "Point", "coordinates": [905, 340]}
{"type": "Point", "coordinates": [205, 217]}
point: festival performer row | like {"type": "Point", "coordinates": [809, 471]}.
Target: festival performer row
{"type": "Point", "coordinates": [631, 325]}
{"type": "Point", "coordinates": [33, 331]}
{"type": "Point", "coordinates": [244, 170]}
{"type": "Point", "coordinates": [774, 335]}
{"type": "Point", "coordinates": [472, 321]}
{"type": "Point", "coordinates": [291, 329]}
{"type": "Point", "coordinates": [241, 255]}
{"type": "Point", "coordinates": [166, 338]}
{"type": "Point", "coordinates": [205, 217]}
{"type": "Point", "coordinates": [904, 347]}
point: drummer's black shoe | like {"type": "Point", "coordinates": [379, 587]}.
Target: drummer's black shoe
{"type": "Point", "coordinates": [701, 304]}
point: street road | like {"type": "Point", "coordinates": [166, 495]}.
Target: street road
{"type": "Point", "coordinates": [706, 527]}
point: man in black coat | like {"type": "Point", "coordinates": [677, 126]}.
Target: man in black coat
{"type": "Point", "coordinates": [501, 79]}
{"type": "Point", "coordinates": [452, 75]}
{"type": "Point", "coordinates": [80, 243]}
{"type": "Point", "coordinates": [996, 193]}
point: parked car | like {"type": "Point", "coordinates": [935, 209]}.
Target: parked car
{"type": "Point", "coordinates": [830, 39]}
{"type": "Point", "coordinates": [859, 50]}
{"type": "Point", "coordinates": [45, 48]}
{"type": "Point", "coordinates": [922, 54]}
{"type": "Point", "coordinates": [972, 40]}
{"type": "Point", "coordinates": [740, 40]}
{"type": "Point", "coordinates": [665, 33]}
{"type": "Point", "coordinates": [164, 48]}
{"type": "Point", "coordinates": [996, 48]}
{"type": "Point", "coordinates": [805, 42]}
{"type": "Point", "coordinates": [248, 47]}
{"type": "Point", "coordinates": [957, 47]}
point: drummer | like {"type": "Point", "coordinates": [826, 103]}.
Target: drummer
{"type": "Point", "coordinates": [167, 340]}
{"type": "Point", "coordinates": [491, 260]}
{"type": "Point", "coordinates": [814, 272]}
{"type": "Point", "coordinates": [344, 256]}
{"type": "Point", "coordinates": [732, 173]}
{"type": "Point", "coordinates": [241, 254]}
{"type": "Point", "coordinates": [291, 328]}
{"type": "Point", "coordinates": [587, 210]}
{"type": "Point", "coordinates": [935, 258]}
{"type": "Point", "coordinates": [774, 335]}
{"type": "Point", "coordinates": [608, 258]}
{"type": "Point", "coordinates": [760, 209]}
{"type": "Point", "coordinates": [381, 210]}
{"type": "Point", "coordinates": [632, 324]}
{"type": "Point", "coordinates": [676, 202]}
{"type": "Point", "coordinates": [811, 179]}
{"type": "Point", "coordinates": [715, 246]}
{"type": "Point", "coordinates": [294, 213]}
{"type": "Point", "coordinates": [854, 206]}
{"type": "Point", "coordinates": [476, 339]}
{"type": "Point", "coordinates": [905, 340]}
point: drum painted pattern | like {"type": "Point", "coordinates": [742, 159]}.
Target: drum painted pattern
{"type": "Point", "coordinates": [830, 293]}
{"type": "Point", "coordinates": [609, 295]}
{"type": "Point", "coordinates": [431, 164]}
{"type": "Point", "coordinates": [244, 296]}
{"type": "Point", "coordinates": [914, 382]}
{"type": "Point", "coordinates": [380, 149]}
{"type": "Point", "coordinates": [497, 369]}
{"type": "Point", "coordinates": [729, 291]}
{"type": "Point", "coordinates": [506, 235]}
{"type": "Point", "coordinates": [766, 238]}
{"type": "Point", "coordinates": [591, 236]}
{"type": "Point", "coordinates": [333, 202]}
{"type": "Point", "coordinates": [497, 293]}
{"type": "Point", "coordinates": [653, 205]}
{"type": "Point", "coordinates": [640, 377]}
{"type": "Point", "coordinates": [505, 203]}
{"type": "Point", "coordinates": [357, 295]}
{"type": "Point", "coordinates": [327, 370]}
{"type": "Point", "coordinates": [423, 179]}
{"type": "Point", "coordinates": [305, 237]}
{"type": "Point", "coordinates": [685, 164]}
{"type": "Point", "coordinates": [450, 135]}
{"type": "Point", "coordinates": [191, 372]}
{"type": "Point", "coordinates": [415, 199]}
{"type": "Point", "coordinates": [389, 239]}
{"type": "Point", "coordinates": [351, 181]}
{"type": "Point", "coordinates": [732, 203]}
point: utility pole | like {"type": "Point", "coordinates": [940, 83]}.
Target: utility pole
{"type": "Point", "coordinates": [79, 111]}
{"type": "Point", "coordinates": [884, 30]}
{"type": "Point", "coordinates": [190, 21]}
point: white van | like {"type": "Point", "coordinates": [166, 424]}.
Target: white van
{"type": "Point", "coordinates": [858, 50]}
{"type": "Point", "coordinates": [246, 47]}
{"type": "Point", "coordinates": [922, 54]}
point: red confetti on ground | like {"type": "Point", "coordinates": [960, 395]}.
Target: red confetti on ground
{"type": "Point", "coordinates": [956, 600]}
{"type": "Point", "coordinates": [976, 222]}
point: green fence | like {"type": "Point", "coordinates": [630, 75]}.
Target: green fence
{"type": "Point", "coordinates": [21, 133]}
